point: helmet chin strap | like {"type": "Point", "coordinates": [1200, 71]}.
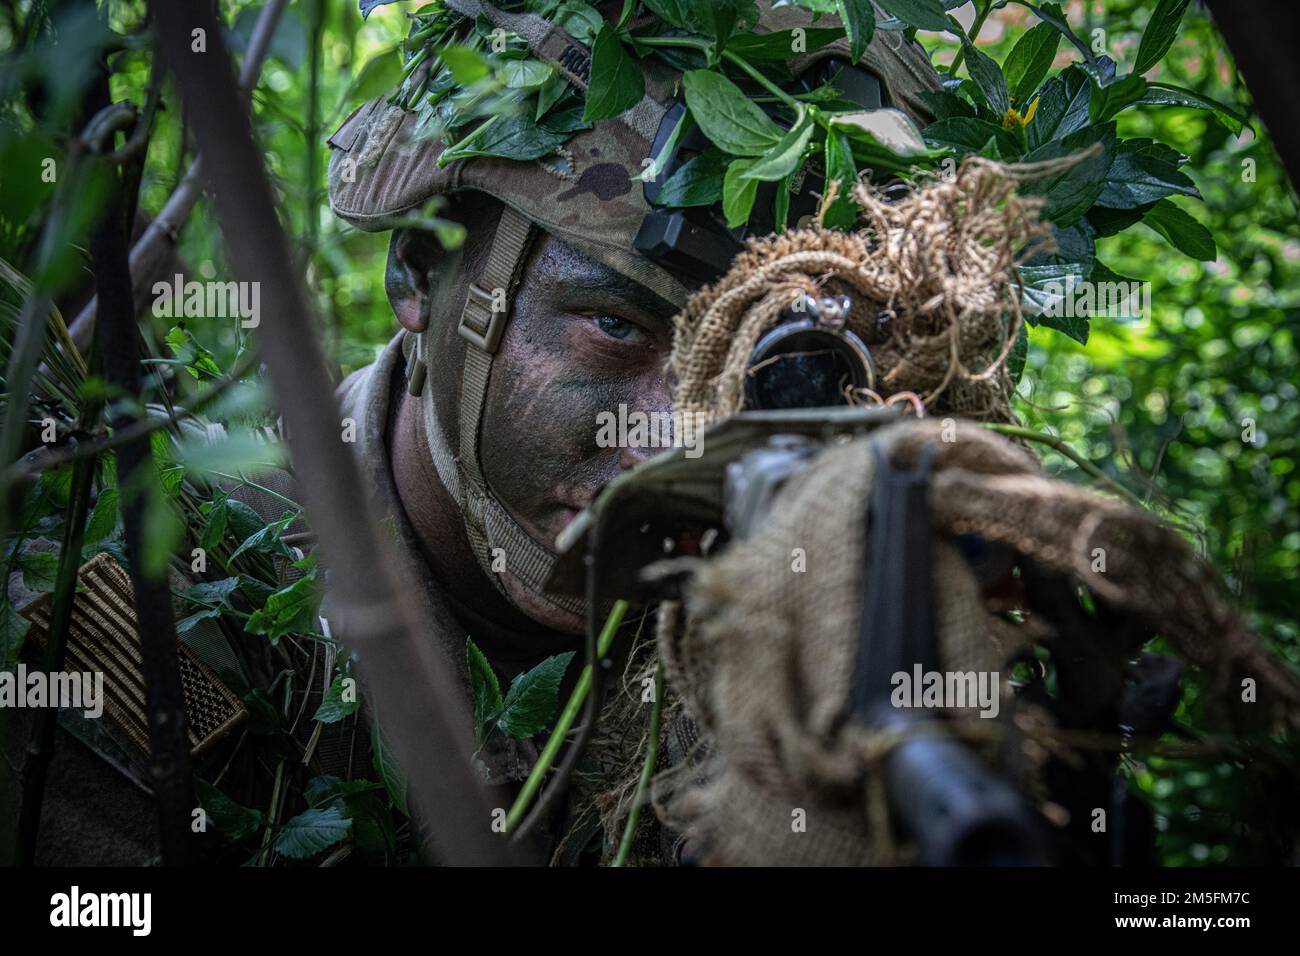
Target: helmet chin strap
{"type": "Point", "coordinates": [482, 323]}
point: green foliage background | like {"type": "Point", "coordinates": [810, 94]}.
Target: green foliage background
{"type": "Point", "coordinates": [1161, 407]}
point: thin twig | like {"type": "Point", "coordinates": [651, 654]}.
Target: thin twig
{"type": "Point", "coordinates": [151, 249]}
{"type": "Point", "coordinates": [1061, 447]}
{"type": "Point", "coordinates": [426, 717]}
{"type": "Point", "coordinates": [565, 721]}
{"type": "Point", "coordinates": [647, 768]}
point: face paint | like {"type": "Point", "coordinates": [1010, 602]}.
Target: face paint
{"type": "Point", "coordinates": [580, 341]}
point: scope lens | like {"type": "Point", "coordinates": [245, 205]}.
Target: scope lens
{"type": "Point", "coordinates": [798, 366]}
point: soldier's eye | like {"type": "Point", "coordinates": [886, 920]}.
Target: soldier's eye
{"type": "Point", "coordinates": [620, 329]}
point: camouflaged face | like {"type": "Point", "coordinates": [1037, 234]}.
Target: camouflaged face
{"type": "Point", "coordinates": [585, 193]}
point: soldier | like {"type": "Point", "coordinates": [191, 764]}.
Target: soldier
{"type": "Point", "coordinates": [477, 423]}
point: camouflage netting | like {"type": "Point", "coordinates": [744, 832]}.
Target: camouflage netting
{"type": "Point", "coordinates": [931, 276]}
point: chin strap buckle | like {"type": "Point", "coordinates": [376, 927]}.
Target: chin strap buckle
{"type": "Point", "coordinates": [483, 320]}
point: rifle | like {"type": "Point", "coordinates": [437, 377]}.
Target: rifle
{"type": "Point", "coordinates": [944, 800]}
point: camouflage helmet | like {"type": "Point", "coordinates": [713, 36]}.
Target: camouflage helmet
{"type": "Point", "coordinates": [585, 194]}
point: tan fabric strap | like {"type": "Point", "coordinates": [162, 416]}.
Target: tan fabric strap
{"type": "Point", "coordinates": [547, 42]}
{"type": "Point", "coordinates": [483, 323]}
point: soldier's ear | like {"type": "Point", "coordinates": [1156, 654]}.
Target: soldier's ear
{"type": "Point", "coordinates": [415, 261]}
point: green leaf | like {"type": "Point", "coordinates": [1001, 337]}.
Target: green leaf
{"type": "Point", "coordinates": [531, 702]}
{"type": "Point", "coordinates": [617, 83]}
{"type": "Point", "coordinates": [466, 64]}
{"type": "Point", "coordinates": [1160, 33]}
{"type": "Point", "coordinates": [676, 12]}
{"type": "Point", "coordinates": [211, 593]}
{"type": "Point", "coordinates": [1052, 14]}
{"type": "Point", "coordinates": [386, 766]}
{"type": "Point", "coordinates": [187, 348]}
{"type": "Point", "coordinates": [312, 831]}
{"type": "Point", "coordinates": [56, 485]}
{"type": "Point", "coordinates": [214, 528]}
{"type": "Point", "coordinates": [781, 202]}
{"type": "Point", "coordinates": [733, 122]}
{"type": "Point", "coordinates": [842, 213]}
{"type": "Point", "coordinates": [335, 707]}
{"type": "Point", "coordinates": [211, 596]}
{"type": "Point", "coordinates": [103, 519]}
{"type": "Point", "coordinates": [564, 122]}
{"type": "Point", "coordinates": [1110, 222]}
{"type": "Point", "coordinates": [1166, 94]}
{"type": "Point", "coordinates": [860, 22]}
{"type": "Point", "coordinates": [738, 193]}
{"type": "Point", "coordinates": [1030, 59]}
{"type": "Point", "coordinates": [925, 14]}
{"type": "Point", "coordinates": [187, 624]}
{"type": "Point", "coordinates": [243, 521]}
{"type": "Point", "coordinates": [1072, 192]}
{"type": "Point", "coordinates": [256, 591]}
{"type": "Point", "coordinates": [236, 822]}
{"type": "Point", "coordinates": [511, 137]}
{"type": "Point", "coordinates": [1183, 232]}
{"type": "Point", "coordinates": [697, 183]}
{"type": "Point", "coordinates": [40, 569]}
{"type": "Point", "coordinates": [13, 632]}
{"type": "Point", "coordinates": [1136, 179]}
{"type": "Point", "coordinates": [373, 827]}
{"type": "Point", "coordinates": [581, 20]}
{"type": "Point", "coordinates": [1074, 244]}
{"type": "Point", "coordinates": [380, 75]}
{"type": "Point", "coordinates": [1062, 107]}
{"type": "Point", "coordinates": [946, 105]}
{"type": "Point", "coordinates": [487, 689]}
{"type": "Point", "coordinates": [968, 135]}
{"type": "Point", "coordinates": [290, 610]}
{"type": "Point", "coordinates": [719, 19]}
{"type": "Point", "coordinates": [1044, 292]}
{"type": "Point", "coordinates": [526, 74]}
{"type": "Point", "coordinates": [988, 78]}
{"type": "Point", "coordinates": [888, 129]}
{"type": "Point", "coordinates": [326, 789]}
{"type": "Point", "coordinates": [783, 158]}
{"type": "Point", "coordinates": [1110, 99]}
{"type": "Point", "coordinates": [779, 44]}
{"type": "Point", "coordinates": [266, 539]}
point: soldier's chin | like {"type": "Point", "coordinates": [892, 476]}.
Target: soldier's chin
{"type": "Point", "coordinates": [541, 610]}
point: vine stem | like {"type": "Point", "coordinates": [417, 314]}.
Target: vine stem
{"type": "Point", "coordinates": [449, 154]}
{"type": "Point", "coordinates": [565, 723]}
{"type": "Point", "coordinates": [975, 28]}
{"type": "Point", "coordinates": [763, 81]}
{"type": "Point", "coordinates": [730, 57]}
{"type": "Point", "coordinates": [1061, 447]}
{"type": "Point", "coordinates": [647, 769]}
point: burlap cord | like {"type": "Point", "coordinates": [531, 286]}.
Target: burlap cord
{"type": "Point", "coordinates": [933, 283]}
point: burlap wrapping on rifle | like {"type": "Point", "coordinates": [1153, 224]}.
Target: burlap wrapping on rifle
{"type": "Point", "coordinates": [931, 277]}
{"type": "Point", "coordinates": [759, 659]}
{"type": "Point", "coordinates": [762, 657]}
